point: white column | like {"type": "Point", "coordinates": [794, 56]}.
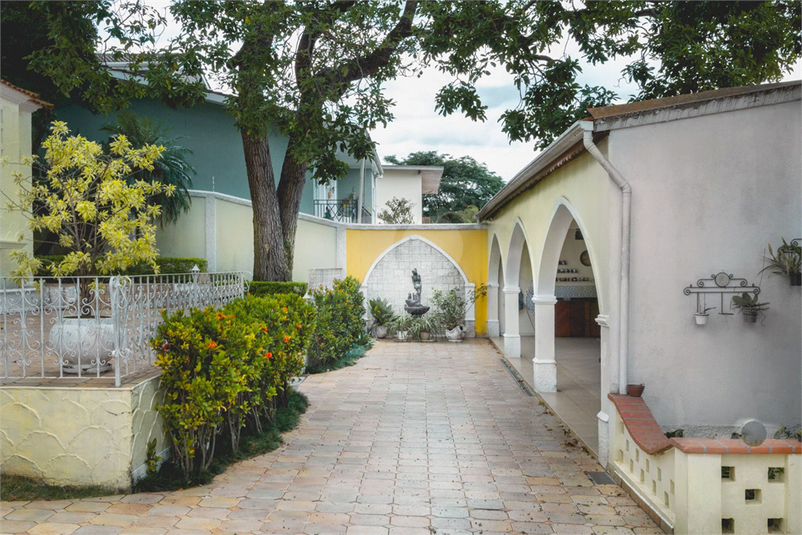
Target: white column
{"type": "Point", "coordinates": [603, 417]}
{"type": "Point", "coordinates": [545, 367]}
{"type": "Point", "coordinates": [470, 313]}
{"type": "Point", "coordinates": [512, 338]}
{"type": "Point", "coordinates": [492, 310]}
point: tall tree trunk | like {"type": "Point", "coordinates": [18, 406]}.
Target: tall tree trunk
{"type": "Point", "coordinates": [269, 260]}
{"type": "Point", "coordinates": [290, 190]}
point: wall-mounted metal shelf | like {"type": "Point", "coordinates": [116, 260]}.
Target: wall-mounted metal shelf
{"type": "Point", "coordinates": [796, 242]}
{"type": "Point", "coordinates": [720, 283]}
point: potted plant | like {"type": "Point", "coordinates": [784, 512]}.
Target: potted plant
{"type": "Point", "coordinates": [749, 306]}
{"type": "Point", "coordinates": [450, 309]}
{"type": "Point", "coordinates": [102, 221]}
{"type": "Point", "coordinates": [786, 261]}
{"type": "Point", "coordinates": [382, 314]}
{"type": "Point", "coordinates": [424, 328]}
{"type": "Point", "coordinates": [701, 316]}
{"type": "Point", "coordinates": [635, 390]}
{"type": "Point", "coordinates": [400, 325]}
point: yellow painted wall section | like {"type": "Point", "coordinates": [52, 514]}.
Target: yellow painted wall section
{"type": "Point", "coordinates": [315, 248]}
{"type": "Point", "coordinates": [583, 184]}
{"type": "Point", "coordinates": [187, 236]}
{"type": "Point", "coordinates": [80, 436]}
{"type": "Point", "coordinates": [234, 224]}
{"type": "Point", "coordinates": [468, 248]}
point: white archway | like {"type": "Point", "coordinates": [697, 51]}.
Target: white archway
{"type": "Point", "coordinates": [468, 287]}
{"type": "Point", "coordinates": [544, 363]}
{"type": "Point", "coordinates": [511, 289]}
{"type": "Point", "coordinates": [494, 280]}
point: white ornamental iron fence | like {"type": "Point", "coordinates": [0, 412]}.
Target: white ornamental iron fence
{"type": "Point", "coordinates": [62, 327]}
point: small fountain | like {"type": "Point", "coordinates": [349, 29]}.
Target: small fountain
{"type": "Point", "coordinates": [414, 306]}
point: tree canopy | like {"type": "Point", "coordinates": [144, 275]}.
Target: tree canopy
{"type": "Point", "coordinates": [465, 184]}
{"type": "Point", "coordinates": [315, 70]}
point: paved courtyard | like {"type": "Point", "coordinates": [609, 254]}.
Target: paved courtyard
{"type": "Point", "coordinates": [414, 439]}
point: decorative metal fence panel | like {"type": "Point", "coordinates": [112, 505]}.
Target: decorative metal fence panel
{"type": "Point", "coordinates": [97, 326]}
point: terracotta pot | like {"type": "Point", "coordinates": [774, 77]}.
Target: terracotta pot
{"type": "Point", "coordinates": [635, 390]}
{"type": "Point", "coordinates": [425, 336]}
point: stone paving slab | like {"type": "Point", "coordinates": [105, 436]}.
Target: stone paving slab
{"type": "Point", "coordinates": [415, 439]}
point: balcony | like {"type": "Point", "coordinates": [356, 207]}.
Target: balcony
{"type": "Point", "coordinates": [343, 211]}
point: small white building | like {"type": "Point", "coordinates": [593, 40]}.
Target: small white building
{"type": "Point", "coordinates": [409, 182]}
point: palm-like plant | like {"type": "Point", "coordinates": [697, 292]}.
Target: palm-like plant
{"type": "Point", "coordinates": [172, 169]}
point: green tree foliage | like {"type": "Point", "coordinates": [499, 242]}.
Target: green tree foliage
{"type": "Point", "coordinates": [315, 70]}
{"type": "Point", "coordinates": [171, 169]}
{"type": "Point", "coordinates": [466, 186]}
{"type": "Point", "coordinates": [397, 212]}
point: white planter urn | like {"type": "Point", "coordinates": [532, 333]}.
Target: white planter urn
{"type": "Point", "coordinates": [456, 334]}
{"type": "Point", "coordinates": [380, 331]}
{"type": "Point", "coordinates": [701, 319]}
{"type": "Point", "coordinates": [81, 343]}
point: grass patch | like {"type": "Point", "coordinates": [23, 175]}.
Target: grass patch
{"type": "Point", "coordinates": [169, 477]}
{"type": "Point", "coordinates": [356, 352]}
{"type": "Point", "coordinates": [20, 488]}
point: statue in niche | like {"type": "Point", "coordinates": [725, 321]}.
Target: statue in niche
{"type": "Point", "coordinates": [414, 306]}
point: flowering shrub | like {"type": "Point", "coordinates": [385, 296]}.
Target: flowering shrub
{"type": "Point", "coordinates": [229, 366]}
{"type": "Point", "coordinates": [85, 200]}
{"type": "Point", "coordinates": [340, 321]}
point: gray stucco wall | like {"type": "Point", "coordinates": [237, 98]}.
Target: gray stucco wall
{"type": "Point", "coordinates": [708, 195]}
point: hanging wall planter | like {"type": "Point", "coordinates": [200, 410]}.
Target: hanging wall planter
{"type": "Point", "coordinates": [701, 319]}
{"type": "Point", "coordinates": [787, 260]}
{"type": "Point", "coordinates": [749, 306]}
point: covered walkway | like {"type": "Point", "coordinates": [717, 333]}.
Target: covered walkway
{"type": "Point", "coordinates": [414, 439]}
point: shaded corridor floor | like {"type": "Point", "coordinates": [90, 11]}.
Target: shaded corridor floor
{"type": "Point", "coordinates": [414, 439]}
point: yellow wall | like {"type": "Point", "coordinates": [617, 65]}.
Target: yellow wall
{"type": "Point", "coordinates": [234, 224]}
{"type": "Point", "coordinates": [315, 248]}
{"type": "Point", "coordinates": [583, 184]}
{"type": "Point", "coordinates": [468, 248]}
{"type": "Point", "coordinates": [14, 145]}
{"type": "Point", "coordinates": [79, 436]}
{"type": "Point", "coordinates": [187, 237]}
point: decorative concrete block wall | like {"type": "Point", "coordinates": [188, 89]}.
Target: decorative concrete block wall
{"type": "Point", "coordinates": [391, 277]}
{"type": "Point", "coordinates": [79, 435]}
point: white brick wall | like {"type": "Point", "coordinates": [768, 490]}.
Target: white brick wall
{"type": "Point", "coordinates": [391, 279]}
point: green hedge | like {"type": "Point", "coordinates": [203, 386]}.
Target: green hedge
{"type": "Point", "coordinates": [340, 322]}
{"type": "Point", "coordinates": [167, 265]}
{"type": "Point", "coordinates": [276, 288]}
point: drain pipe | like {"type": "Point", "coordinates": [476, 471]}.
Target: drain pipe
{"type": "Point", "coordinates": [626, 192]}
{"type": "Point", "coordinates": [360, 202]}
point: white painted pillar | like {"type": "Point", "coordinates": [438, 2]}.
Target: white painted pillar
{"type": "Point", "coordinates": [210, 204]}
{"type": "Point", "coordinates": [544, 365]}
{"type": "Point", "coordinates": [603, 417]}
{"type": "Point", "coordinates": [492, 310]}
{"type": "Point", "coordinates": [512, 337]}
{"type": "Point", "coordinates": [470, 313]}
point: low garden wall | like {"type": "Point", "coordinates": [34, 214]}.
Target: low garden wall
{"type": "Point", "coordinates": [74, 435]}
{"type": "Point", "coordinates": [703, 485]}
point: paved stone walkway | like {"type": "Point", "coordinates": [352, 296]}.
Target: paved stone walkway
{"type": "Point", "coordinates": [414, 439]}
